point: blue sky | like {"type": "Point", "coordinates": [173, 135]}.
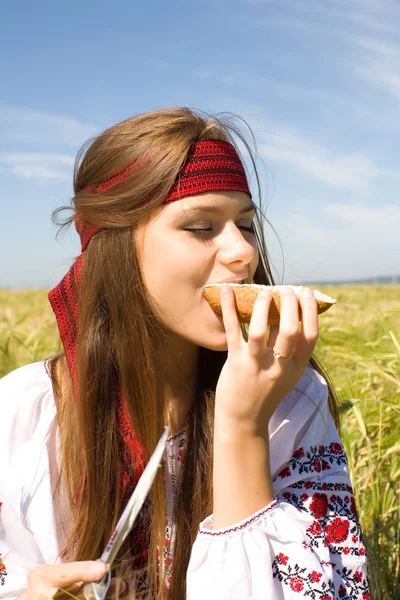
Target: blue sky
{"type": "Point", "coordinates": [317, 80]}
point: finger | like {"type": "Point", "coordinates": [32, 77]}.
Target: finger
{"type": "Point", "coordinates": [288, 333]}
{"type": "Point", "coordinates": [309, 329]}
{"type": "Point", "coordinates": [66, 574]}
{"type": "Point", "coordinates": [258, 328]}
{"type": "Point", "coordinates": [38, 588]}
{"type": "Point", "coordinates": [230, 317]}
{"type": "Point", "coordinates": [273, 334]}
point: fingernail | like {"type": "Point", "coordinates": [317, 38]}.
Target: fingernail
{"type": "Point", "coordinates": [108, 567]}
{"type": "Point", "coordinates": [225, 288]}
{"type": "Point", "coordinates": [307, 293]}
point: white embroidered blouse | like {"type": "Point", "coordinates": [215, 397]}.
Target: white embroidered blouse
{"type": "Point", "coordinates": [306, 544]}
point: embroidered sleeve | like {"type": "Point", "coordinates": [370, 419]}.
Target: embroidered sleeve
{"type": "Point", "coordinates": [333, 530]}
{"type": "Point", "coordinates": [28, 532]}
{"type": "Point", "coordinates": [305, 544]}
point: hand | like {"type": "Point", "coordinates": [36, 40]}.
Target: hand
{"type": "Point", "coordinates": [252, 382]}
{"type": "Point", "coordinates": [46, 580]}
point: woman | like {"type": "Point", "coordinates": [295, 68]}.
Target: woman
{"type": "Point", "coordinates": [255, 499]}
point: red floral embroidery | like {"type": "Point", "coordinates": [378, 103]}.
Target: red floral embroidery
{"type": "Point", "coordinates": [168, 551]}
{"type": "Point", "coordinates": [285, 472]}
{"type": "Point", "coordinates": [316, 459]}
{"type": "Point", "coordinates": [3, 572]}
{"type": "Point", "coordinates": [312, 584]}
{"type": "Point", "coordinates": [354, 584]}
{"type": "Point", "coordinates": [282, 558]}
{"type": "Point", "coordinates": [315, 528]}
{"type": "Point", "coordinates": [319, 505]}
{"type": "Point", "coordinates": [299, 453]}
{"type": "Point", "coordinates": [337, 531]}
{"type": "Point", "coordinates": [317, 465]}
{"type": "Point", "coordinates": [342, 536]}
{"type": "Point", "coordinates": [318, 585]}
{"type": "Point", "coordinates": [335, 448]}
{"type": "Point", "coordinates": [334, 527]}
{"type": "Point", "coordinates": [296, 584]}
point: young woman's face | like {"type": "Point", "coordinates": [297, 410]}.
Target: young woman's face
{"type": "Point", "coordinates": [185, 247]}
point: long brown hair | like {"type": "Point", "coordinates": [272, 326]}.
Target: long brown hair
{"type": "Point", "coordinates": [120, 333]}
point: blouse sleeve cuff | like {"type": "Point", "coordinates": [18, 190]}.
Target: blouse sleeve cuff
{"type": "Point", "coordinates": [205, 527]}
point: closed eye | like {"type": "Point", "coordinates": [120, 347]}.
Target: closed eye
{"type": "Point", "coordinates": [203, 231]}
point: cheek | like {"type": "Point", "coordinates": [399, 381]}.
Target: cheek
{"type": "Point", "coordinates": [173, 280]}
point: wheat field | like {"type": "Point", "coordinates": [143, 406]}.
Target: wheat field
{"type": "Point", "coordinates": [358, 344]}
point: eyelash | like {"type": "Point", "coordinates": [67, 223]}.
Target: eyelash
{"type": "Point", "coordinates": [202, 231]}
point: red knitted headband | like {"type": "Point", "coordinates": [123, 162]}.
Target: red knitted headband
{"type": "Point", "coordinates": [211, 165]}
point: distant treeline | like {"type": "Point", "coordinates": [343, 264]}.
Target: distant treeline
{"type": "Point", "coordinates": [384, 279]}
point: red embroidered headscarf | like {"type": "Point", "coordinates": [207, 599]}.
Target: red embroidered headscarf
{"type": "Point", "coordinates": [211, 165]}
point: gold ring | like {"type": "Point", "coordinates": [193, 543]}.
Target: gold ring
{"type": "Point", "coordinates": [280, 355]}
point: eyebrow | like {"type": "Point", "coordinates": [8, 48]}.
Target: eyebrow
{"type": "Point", "coordinates": [218, 209]}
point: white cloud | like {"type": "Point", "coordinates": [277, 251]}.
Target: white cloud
{"type": "Point", "coordinates": [203, 74]}
{"type": "Point", "coordinates": [231, 78]}
{"type": "Point", "coordinates": [24, 125]}
{"type": "Point", "coordinates": [280, 142]}
{"type": "Point", "coordinates": [384, 79]}
{"type": "Point", "coordinates": [347, 171]}
{"type": "Point", "coordinates": [347, 224]}
{"type": "Point", "coordinates": [371, 22]}
{"type": "Point", "coordinates": [39, 173]}
{"type": "Point", "coordinates": [352, 172]}
{"type": "Point", "coordinates": [371, 26]}
{"type": "Point", "coordinates": [40, 167]}
{"type": "Point", "coordinates": [378, 63]}
{"type": "Point", "coordinates": [12, 158]}
{"type": "Point", "coordinates": [340, 242]}
{"type": "Point", "coordinates": [377, 47]}
{"type": "Point", "coordinates": [382, 222]}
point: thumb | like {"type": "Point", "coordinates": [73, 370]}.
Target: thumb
{"type": "Point", "coordinates": [45, 580]}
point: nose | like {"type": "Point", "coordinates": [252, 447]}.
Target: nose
{"type": "Point", "coordinates": [234, 247]}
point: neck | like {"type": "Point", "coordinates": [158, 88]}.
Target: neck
{"type": "Point", "coordinates": [178, 369]}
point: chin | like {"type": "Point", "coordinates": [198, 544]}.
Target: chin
{"type": "Point", "coordinates": [217, 343]}
{"type": "Point", "coordinates": [215, 348]}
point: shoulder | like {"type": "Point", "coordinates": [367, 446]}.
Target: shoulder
{"type": "Point", "coordinates": [26, 399]}
{"type": "Point", "coordinates": [28, 451]}
{"type": "Point", "coordinates": [25, 383]}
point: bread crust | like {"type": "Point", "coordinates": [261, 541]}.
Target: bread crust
{"type": "Point", "coordinates": [246, 295]}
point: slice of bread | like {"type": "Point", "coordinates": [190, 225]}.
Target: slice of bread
{"type": "Point", "coordinates": [246, 295]}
